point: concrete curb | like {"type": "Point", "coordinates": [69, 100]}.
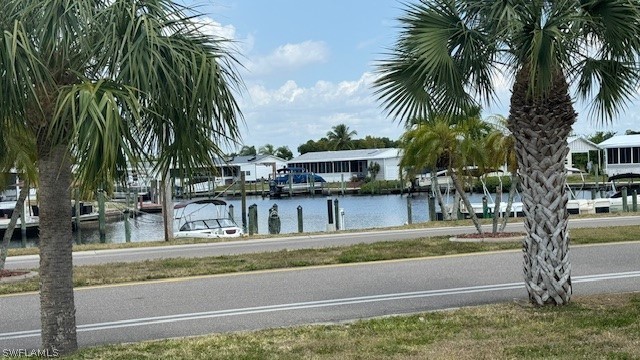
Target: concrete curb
{"type": "Point", "coordinates": [488, 239]}
{"type": "Point", "coordinates": [18, 278]}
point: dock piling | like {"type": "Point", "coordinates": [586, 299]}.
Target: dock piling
{"type": "Point", "coordinates": [300, 225]}
{"type": "Point", "coordinates": [432, 208]}
{"type": "Point", "coordinates": [409, 215]}
{"type": "Point", "coordinates": [101, 217]}
{"type": "Point", "coordinates": [336, 211]}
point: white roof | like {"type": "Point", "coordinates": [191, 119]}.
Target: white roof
{"type": "Point", "coordinates": [578, 144]}
{"type": "Point", "coordinates": [249, 159]}
{"type": "Point", "coordinates": [621, 141]}
{"type": "Point", "coordinates": [347, 155]}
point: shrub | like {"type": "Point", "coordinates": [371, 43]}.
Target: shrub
{"type": "Point", "coordinates": [491, 183]}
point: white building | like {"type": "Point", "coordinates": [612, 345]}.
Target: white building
{"type": "Point", "coordinates": [255, 167]}
{"type": "Point", "coordinates": [622, 154]}
{"type": "Point", "coordinates": [335, 166]}
{"type": "Point", "coordinates": [580, 145]}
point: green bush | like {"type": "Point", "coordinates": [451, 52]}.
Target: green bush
{"type": "Point", "coordinates": [380, 186]}
{"type": "Point", "coordinates": [491, 183]}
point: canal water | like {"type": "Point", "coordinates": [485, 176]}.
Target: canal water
{"type": "Point", "coordinates": [360, 212]}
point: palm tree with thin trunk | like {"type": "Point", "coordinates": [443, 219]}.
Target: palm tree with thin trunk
{"type": "Point", "coordinates": [104, 85]}
{"type": "Point", "coordinates": [17, 150]}
{"type": "Point", "coordinates": [447, 58]}
{"type": "Point", "coordinates": [501, 149]}
{"type": "Point", "coordinates": [341, 137]}
{"type": "Point", "coordinates": [455, 145]}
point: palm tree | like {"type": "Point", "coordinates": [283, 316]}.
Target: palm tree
{"type": "Point", "coordinates": [501, 149]}
{"type": "Point", "coordinates": [17, 150]}
{"type": "Point", "coordinates": [284, 152]}
{"type": "Point", "coordinates": [267, 149]}
{"type": "Point", "coordinates": [247, 150]}
{"type": "Point", "coordinates": [340, 137]}
{"type": "Point", "coordinates": [446, 58]}
{"type": "Point", "coordinates": [102, 84]}
{"type": "Point", "coordinates": [440, 141]}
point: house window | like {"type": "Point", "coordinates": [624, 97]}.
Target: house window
{"type": "Point", "coordinates": [636, 155]}
{"type": "Point", "coordinates": [341, 166]}
{"type": "Point", "coordinates": [612, 156]}
{"type": "Point", "coordinates": [625, 155]}
{"type": "Point", "coordinates": [329, 165]}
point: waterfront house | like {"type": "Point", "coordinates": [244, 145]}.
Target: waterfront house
{"type": "Point", "coordinates": [580, 145]}
{"type": "Point", "coordinates": [255, 168]}
{"type": "Point", "coordinates": [622, 154]}
{"type": "Point", "coordinates": [335, 166]}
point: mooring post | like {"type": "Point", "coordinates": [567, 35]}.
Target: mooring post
{"type": "Point", "coordinates": [273, 220]}
{"type": "Point", "coordinates": [231, 215]}
{"type": "Point", "coordinates": [101, 216]}
{"type": "Point", "coordinates": [342, 184]}
{"type": "Point", "coordinates": [485, 208]}
{"type": "Point", "coordinates": [330, 223]}
{"type": "Point", "coordinates": [300, 225]}
{"type": "Point", "coordinates": [634, 200]}
{"type": "Point", "coordinates": [253, 219]}
{"type": "Point", "coordinates": [432, 208]}
{"type": "Point", "coordinates": [336, 211]}
{"type": "Point", "coordinates": [127, 225]}
{"type": "Point", "coordinates": [409, 210]}
{"type": "Point", "coordinates": [243, 201]}
{"type": "Point", "coordinates": [625, 205]}
{"type": "Point", "coordinates": [290, 184]}
{"type": "Point", "coordinates": [593, 193]}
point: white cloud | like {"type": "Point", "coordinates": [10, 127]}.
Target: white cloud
{"type": "Point", "coordinates": [290, 56]}
{"type": "Point", "coordinates": [291, 115]}
{"type": "Point", "coordinates": [227, 32]}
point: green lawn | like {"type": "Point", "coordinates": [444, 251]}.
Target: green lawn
{"type": "Point", "coordinates": [593, 327]}
{"type": "Point", "coordinates": [180, 267]}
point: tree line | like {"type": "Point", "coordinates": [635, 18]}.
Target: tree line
{"type": "Point", "coordinates": [339, 138]}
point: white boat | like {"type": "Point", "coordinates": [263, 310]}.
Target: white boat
{"type": "Point", "coordinates": [219, 226]}
{"type": "Point", "coordinates": [478, 208]}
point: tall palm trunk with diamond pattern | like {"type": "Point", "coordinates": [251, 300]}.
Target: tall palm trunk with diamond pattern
{"type": "Point", "coordinates": [541, 125]}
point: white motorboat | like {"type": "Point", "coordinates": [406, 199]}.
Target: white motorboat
{"type": "Point", "coordinates": [193, 225]}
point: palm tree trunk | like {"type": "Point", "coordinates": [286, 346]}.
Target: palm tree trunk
{"type": "Point", "coordinates": [436, 188]}
{"type": "Point", "coordinates": [17, 212]}
{"type": "Point", "coordinates": [515, 180]}
{"type": "Point", "coordinates": [541, 127]}
{"type": "Point", "coordinates": [465, 199]}
{"type": "Point", "coordinates": [57, 307]}
{"type": "Point", "coordinates": [496, 209]}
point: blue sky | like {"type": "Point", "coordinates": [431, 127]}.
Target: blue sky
{"type": "Point", "coordinates": [308, 66]}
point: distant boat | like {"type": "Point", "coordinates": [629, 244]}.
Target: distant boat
{"type": "Point", "coordinates": [294, 179]}
{"type": "Point", "coordinates": [32, 219]}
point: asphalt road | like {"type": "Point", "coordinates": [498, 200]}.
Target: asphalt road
{"type": "Point", "coordinates": [293, 242]}
{"type": "Point", "coordinates": [247, 301]}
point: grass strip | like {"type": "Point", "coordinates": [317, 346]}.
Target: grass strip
{"type": "Point", "coordinates": [116, 273]}
{"type": "Point", "coordinates": [591, 327]}
{"type": "Point", "coordinates": [422, 225]}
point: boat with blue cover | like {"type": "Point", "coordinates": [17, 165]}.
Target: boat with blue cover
{"type": "Point", "coordinates": [294, 180]}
